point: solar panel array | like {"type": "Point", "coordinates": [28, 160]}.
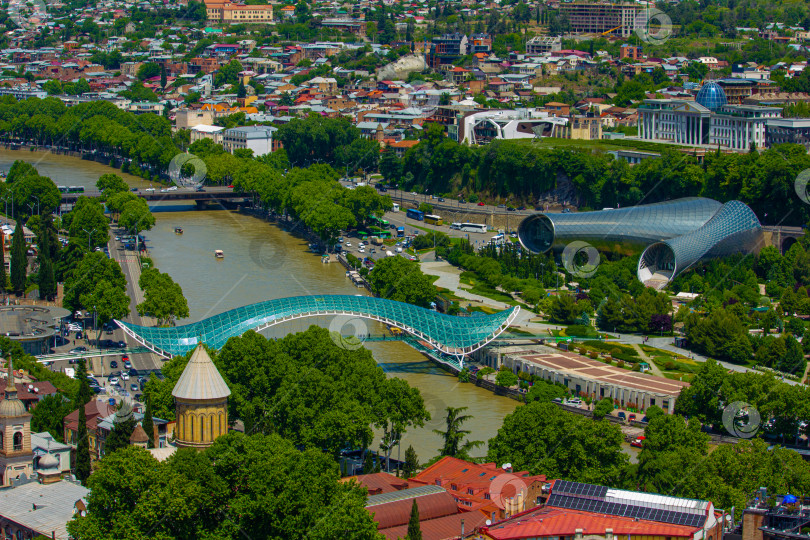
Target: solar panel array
{"type": "Point", "coordinates": [591, 498]}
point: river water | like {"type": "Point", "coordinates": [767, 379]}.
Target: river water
{"type": "Point", "coordinates": [263, 262]}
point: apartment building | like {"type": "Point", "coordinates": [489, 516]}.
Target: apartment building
{"type": "Point", "coordinates": [257, 138]}
{"type": "Point", "coordinates": [233, 13]}
{"type": "Point", "coordinates": [598, 18]}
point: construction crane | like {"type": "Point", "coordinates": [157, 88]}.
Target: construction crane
{"type": "Point", "coordinates": [611, 30]}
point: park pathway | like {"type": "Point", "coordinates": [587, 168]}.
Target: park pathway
{"type": "Point", "coordinates": [654, 368]}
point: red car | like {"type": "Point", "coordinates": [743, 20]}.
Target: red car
{"type": "Point", "coordinates": [231, 186]}
{"type": "Point", "coordinates": [480, 204]}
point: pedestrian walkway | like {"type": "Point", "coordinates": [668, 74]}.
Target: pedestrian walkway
{"type": "Point", "coordinates": [654, 368]}
{"type": "Point", "coordinates": [449, 279]}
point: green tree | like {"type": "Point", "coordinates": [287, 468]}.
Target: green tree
{"type": "Point", "coordinates": [506, 378]}
{"type": "Point", "coordinates": [120, 434]}
{"type": "Point", "coordinates": [411, 464]}
{"type": "Point", "coordinates": [85, 283]}
{"type": "Point", "coordinates": [49, 415]}
{"type": "Point", "coordinates": [414, 530]}
{"type": "Point", "coordinates": [671, 446]}
{"type": "Point", "coordinates": [136, 216]}
{"type": "Point", "coordinates": [545, 391]}
{"type": "Point", "coordinates": [147, 424]}
{"type": "Point", "coordinates": [46, 280]}
{"type": "Point", "coordinates": [87, 223]}
{"type": "Point", "coordinates": [163, 80]}
{"type": "Point", "coordinates": [19, 260]}
{"type": "Point", "coordinates": [603, 408]}
{"type": "Point", "coordinates": [83, 397]}
{"type": "Point", "coordinates": [402, 280]}
{"type": "Point", "coordinates": [239, 486]}
{"type": "Point", "coordinates": [108, 301]}
{"type": "Point", "coordinates": [163, 298]}
{"type": "Point", "coordinates": [110, 184]}
{"type": "Point", "coordinates": [427, 208]}
{"type": "Point", "coordinates": [543, 439]}
{"type": "Point", "coordinates": [148, 70]}
{"type": "Point", "coordinates": [455, 443]}
{"type": "Point", "coordinates": [241, 91]}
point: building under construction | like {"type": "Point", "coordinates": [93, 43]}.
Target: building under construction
{"type": "Point", "coordinates": [598, 18]}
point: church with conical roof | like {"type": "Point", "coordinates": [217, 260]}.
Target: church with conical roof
{"type": "Point", "coordinates": [16, 456]}
{"type": "Point", "coordinates": [201, 401]}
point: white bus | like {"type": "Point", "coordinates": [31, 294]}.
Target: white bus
{"type": "Point", "coordinates": [497, 240]}
{"type": "Point", "coordinates": [455, 226]}
{"type": "Point", "coordinates": [473, 227]}
{"type": "Point", "coordinates": [396, 207]}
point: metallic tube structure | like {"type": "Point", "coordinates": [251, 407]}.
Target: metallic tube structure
{"type": "Point", "coordinates": [733, 229]}
{"type": "Point", "coordinates": [624, 230]}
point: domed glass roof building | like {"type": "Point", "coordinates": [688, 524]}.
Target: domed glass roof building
{"type": "Point", "coordinates": [711, 96]}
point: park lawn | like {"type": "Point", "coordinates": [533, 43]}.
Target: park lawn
{"type": "Point", "coordinates": [450, 295]}
{"type": "Point", "coordinates": [483, 309]}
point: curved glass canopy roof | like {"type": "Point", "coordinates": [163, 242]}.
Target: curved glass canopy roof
{"type": "Point", "coordinates": [449, 334]}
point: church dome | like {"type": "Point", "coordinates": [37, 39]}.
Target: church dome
{"type": "Point", "coordinates": [48, 462]}
{"type": "Point", "coordinates": [200, 379]}
{"type": "Point", "coordinates": [712, 96]}
{"type": "Point", "coordinates": [11, 407]}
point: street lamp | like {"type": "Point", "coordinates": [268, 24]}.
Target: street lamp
{"type": "Point", "coordinates": [89, 236]}
{"type": "Point", "coordinates": [37, 198]}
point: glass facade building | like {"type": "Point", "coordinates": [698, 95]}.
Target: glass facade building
{"type": "Point", "coordinates": [712, 96]}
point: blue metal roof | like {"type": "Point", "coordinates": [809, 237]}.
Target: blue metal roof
{"type": "Point", "coordinates": [450, 334]}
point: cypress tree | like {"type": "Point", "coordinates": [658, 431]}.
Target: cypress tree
{"type": "Point", "coordinates": [162, 78]}
{"type": "Point", "coordinates": [147, 424]}
{"type": "Point", "coordinates": [46, 280]}
{"type": "Point", "coordinates": [368, 463]}
{"type": "Point", "coordinates": [83, 449]}
{"type": "Point", "coordinates": [414, 532]}
{"type": "Point", "coordinates": [3, 276]}
{"type": "Point", "coordinates": [241, 91]}
{"type": "Point", "coordinates": [119, 436]}
{"type": "Point", "coordinates": [411, 463]}
{"type": "Point", "coordinates": [19, 260]}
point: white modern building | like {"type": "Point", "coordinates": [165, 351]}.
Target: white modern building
{"type": "Point", "coordinates": [257, 138]}
{"type": "Point", "coordinates": [485, 126]}
{"type": "Point", "coordinates": [740, 126]}
{"type": "Point", "coordinates": [204, 131]}
{"type": "Point", "coordinates": [709, 120]}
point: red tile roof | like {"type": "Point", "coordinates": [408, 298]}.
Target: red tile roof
{"type": "Point", "coordinates": [95, 409]}
{"type": "Point", "coordinates": [381, 482]}
{"type": "Point", "coordinates": [43, 388]}
{"type": "Point", "coordinates": [470, 482]}
{"type": "Point", "coordinates": [546, 521]}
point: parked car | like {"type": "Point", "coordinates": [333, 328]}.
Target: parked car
{"type": "Point", "coordinates": [622, 416]}
{"type": "Point", "coordinates": [134, 387]}
{"type": "Point", "coordinates": [481, 204]}
{"type": "Point", "coordinates": [510, 209]}
{"type": "Point", "coordinates": [114, 381]}
{"type": "Point", "coordinates": [125, 376]}
{"type": "Point", "coordinates": [501, 206]}
{"type": "Point", "coordinates": [631, 418]}
{"type": "Point", "coordinates": [113, 364]}
{"type": "Point", "coordinates": [440, 199]}
{"type": "Point", "coordinates": [127, 364]}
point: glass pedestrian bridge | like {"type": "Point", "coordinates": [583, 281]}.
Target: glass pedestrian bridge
{"type": "Point", "coordinates": [448, 334]}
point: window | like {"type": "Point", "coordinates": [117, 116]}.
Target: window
{"type": "Point", "coordinates": [1, 440]}
{"type": "Point", "coordinates": [18, 441]}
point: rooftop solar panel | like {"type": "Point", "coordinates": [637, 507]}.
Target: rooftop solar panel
{"type": "Point", "coordinates": [574, 502]}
